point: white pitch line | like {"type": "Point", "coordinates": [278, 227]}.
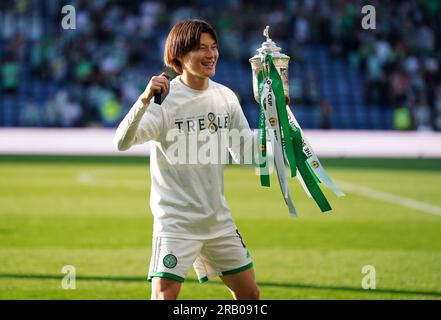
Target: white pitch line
{"type": "Point", "coordinates": [391, 198]}
{"type": "Point", "coordinates": [85, 178]}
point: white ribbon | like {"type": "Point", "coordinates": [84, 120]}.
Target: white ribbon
{"type": "Point", "coordinates": [268, 99]}
{"type": "Point", "coordinates": [313, 161]}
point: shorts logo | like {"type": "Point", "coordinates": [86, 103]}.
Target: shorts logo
{"type": "Point", "coordinates": [170, 261]}
{"type": "Point", "coordinates": [273, 121]}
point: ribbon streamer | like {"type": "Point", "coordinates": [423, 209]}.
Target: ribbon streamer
{"type": "Point", "coordinates": [312, 159]}
{"type": "Point", "coordinates": [268, 99]}
{"type": "Point", "coordinates": [289, 144]}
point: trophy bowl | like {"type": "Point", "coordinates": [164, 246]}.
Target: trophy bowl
{"type": "Point", "coordinates": [280, 60]}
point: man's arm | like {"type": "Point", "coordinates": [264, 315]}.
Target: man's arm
{"type": "Point", "coordinates": [127, 133]}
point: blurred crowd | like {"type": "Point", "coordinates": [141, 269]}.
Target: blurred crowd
{"type": "Point", "coordinates": [401, 60]}
{"type": "Point", "coordinates": [101, 66]}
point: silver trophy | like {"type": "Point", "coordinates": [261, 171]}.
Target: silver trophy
{"type": "Point", "coordinates": [280, 62]}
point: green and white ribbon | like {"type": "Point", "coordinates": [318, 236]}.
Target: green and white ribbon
{"type": "Point", "coordinates": [263, 167]}
{"type": "Point", "coordinates": [288, 142]}
{"type": "Point", "coordinates": [312, 159]}
{"type": "Point", "coordinates": [268, 99]}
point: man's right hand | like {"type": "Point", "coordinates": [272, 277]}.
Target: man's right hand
{"type": "Point", "coordinates": [157, 84]}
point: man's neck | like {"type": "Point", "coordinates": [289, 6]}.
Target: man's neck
{"type": "Point", "coordinates": [194, 82]}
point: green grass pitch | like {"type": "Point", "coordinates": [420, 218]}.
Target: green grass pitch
{"type": "Point", "coordinates": [93, 213]}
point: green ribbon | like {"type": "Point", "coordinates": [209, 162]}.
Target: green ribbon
{"type": "Point", "coordinates": [310, 179]}
{"type": "Point", "coordinates": [313, 161]}
{"type": "Point", "coordinates": [277, 86]}
{"type": "Point", "coordinates": [261, 140]}
{"type": "Point", "coordinates": [292, 140]}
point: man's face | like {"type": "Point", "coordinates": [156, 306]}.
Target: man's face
{"type": "Point", "coordinates": [201, 61]}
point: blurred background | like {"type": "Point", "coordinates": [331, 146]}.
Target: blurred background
{"type": "Point", "coordinates": [341, 76]}
{"type": "Point", "coordinates": [370, 101]}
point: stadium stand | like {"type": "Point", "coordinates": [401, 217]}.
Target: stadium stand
{"type": "Point", "coordinates": [341, 76]}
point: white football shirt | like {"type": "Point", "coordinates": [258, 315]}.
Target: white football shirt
{"type": "Point", "coordinates": [187, 199]}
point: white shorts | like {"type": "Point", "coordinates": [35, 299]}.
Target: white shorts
{"type": "Point", "coordinates": [173, 257]}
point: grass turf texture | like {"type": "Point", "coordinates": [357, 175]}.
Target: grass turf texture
{"type": "Point", "coordinates": [93, 213]}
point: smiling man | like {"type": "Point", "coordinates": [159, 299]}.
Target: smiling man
{"type": "Point", "coordinates": [192, 222]}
